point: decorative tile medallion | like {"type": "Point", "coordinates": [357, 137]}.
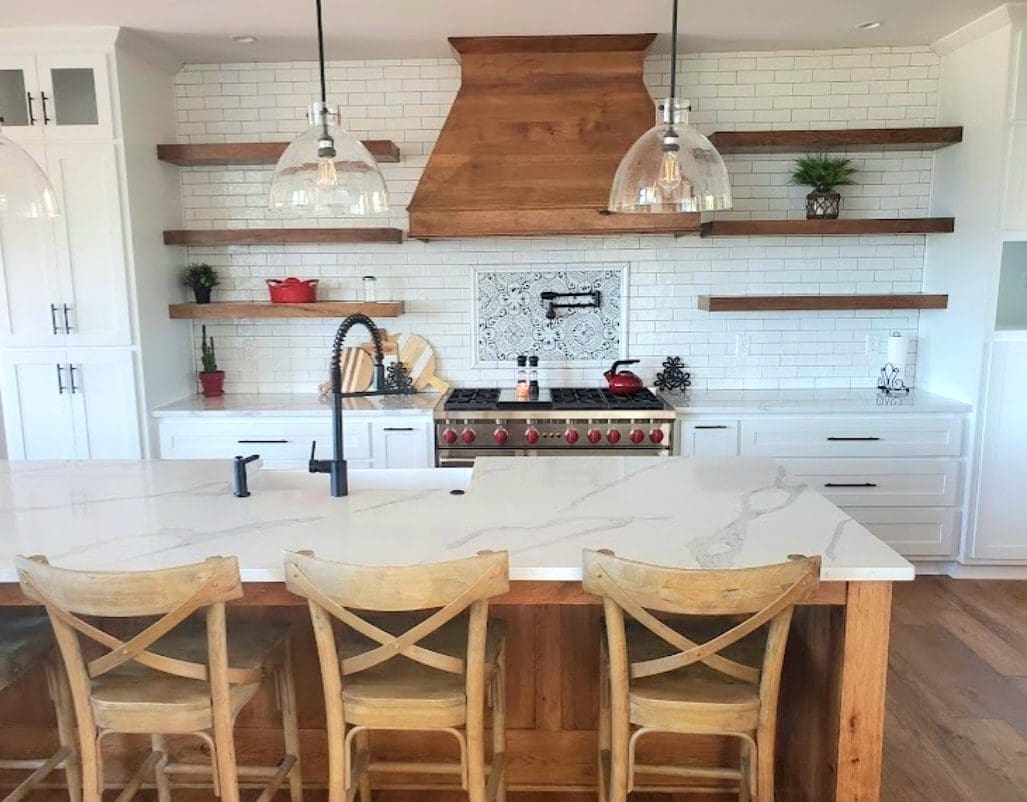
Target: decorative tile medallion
{"type": "Point", "coordinates": [511, 315]}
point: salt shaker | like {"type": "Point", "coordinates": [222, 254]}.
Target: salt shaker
{"type": "Point", "coordinates": [370, 289]}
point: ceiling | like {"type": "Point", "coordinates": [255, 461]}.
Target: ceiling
{"type": "Point", "coordinates": [199, 30]}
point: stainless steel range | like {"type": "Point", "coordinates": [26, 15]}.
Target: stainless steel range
{"type": "Point", "coordinates": [563, 421]}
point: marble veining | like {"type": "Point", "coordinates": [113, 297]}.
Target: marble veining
{"type": "Point", "coordinates": [727, 512]}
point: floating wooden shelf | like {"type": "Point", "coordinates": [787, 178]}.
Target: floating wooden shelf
{"type": "Point", "coordinates": [843, 139]}
{"type": "Point", "coordinates": [811, 303]}
{"type": "Point", "coordinates": [813, 228]}
{"type": "Point", "coordinates": [233, 310]}
{"type": "Point", "coordinates": [280, 236]}
{"type": "Point", "coordinates": [384, 150]}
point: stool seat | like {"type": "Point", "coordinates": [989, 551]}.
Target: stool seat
{"type": "Point", "coordinates": [24, 642]}
{"type": "Point", "coordinates": [421, 694]}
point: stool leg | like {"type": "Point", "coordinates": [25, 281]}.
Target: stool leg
{"type": "Point", "coordinates": [158, 743]}
{"type": "Point", "coordinates": [499, 725]}
{"type": "Point", "coordinates": [362, 742]}
{"type": "Point", "coordinates": [61, 694]}
{"type": "Point", "coordinates": [745, 764]}
{"type": "Point", "coordinates": [604, 725]}
{"type": "Point", "coordinates": [290, 723]}
{"type": "Point", "coordinates": [475, 730]}
{"type": "Point", "coordinates": [765, 764]}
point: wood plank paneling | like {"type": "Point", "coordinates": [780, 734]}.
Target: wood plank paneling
{"type": "Point", "coordinates": [197, 154]}
{"type": "Point", "coordinates": [281, 236]}
{"type": "Point", "coordinates": [925, 138]}
{"type": "Point", "coordinates": [236, 310]}
{"type": "Point", "coordinates": [808, 303]}
{"type": "Point", "coordinates": [825, 228]}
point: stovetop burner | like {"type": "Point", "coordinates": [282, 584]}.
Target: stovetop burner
{"type": "Point", "coordinates": [563, 398]}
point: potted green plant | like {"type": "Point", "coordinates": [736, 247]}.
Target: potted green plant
{"type": "Point", "coordinates": [201, 278]}
{"type": "Point", "coordinates": [823, 173]}
{"type": "Point", "coordinates": [211, 379]}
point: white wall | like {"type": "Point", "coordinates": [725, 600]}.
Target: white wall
{"type": "Point", "coordinates": [408, 100]}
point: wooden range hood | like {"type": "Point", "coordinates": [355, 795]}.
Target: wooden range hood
{"type": "Point", "coordinates": [534, 138]}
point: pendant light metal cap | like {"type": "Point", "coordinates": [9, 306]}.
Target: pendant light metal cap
{"type": "Point", "coordinates": [327, 172]}
{"type": "Point", "coordinates": [25, 191]}
{"type": "Point", "coordinates": [671, 149]}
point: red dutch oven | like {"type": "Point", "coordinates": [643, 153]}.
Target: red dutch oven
{"type": "Point", "coordinates": [292, 290]}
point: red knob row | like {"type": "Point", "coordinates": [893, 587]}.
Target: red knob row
{"type": "Point", "coordinates": [594, 436]}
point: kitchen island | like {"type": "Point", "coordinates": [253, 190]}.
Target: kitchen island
{"type": "Point", "coordinates": [731, 512]}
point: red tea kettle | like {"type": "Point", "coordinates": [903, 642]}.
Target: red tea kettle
{"type": "Point", "coordinates": [624, 382]}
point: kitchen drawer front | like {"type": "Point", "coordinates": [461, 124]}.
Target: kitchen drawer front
{"type": "Point", "coordinates": [707, 437]}
{"type": "Point", "coordinates": [870, 436]}
{"type": "Point", "coordinates": [913, 531]}
{"type": "Point", "coordinates": [881, 482]}
{"type": "Point", "coordinates": [279, 443]}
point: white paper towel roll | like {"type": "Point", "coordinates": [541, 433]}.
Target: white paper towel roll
{"type": "Point", "coordinates": [898, 352]}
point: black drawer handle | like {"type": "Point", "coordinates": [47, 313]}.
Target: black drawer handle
{"type": "Point", "coordinates": [262, 441]}
{"type": "Point", "coordinates": [850, 484]}
{"type": "Point", "coordinates": [721, 426]}
{"type": "Point", "coordinates": [854, 439]}
{"type": "Point", "coordinates": [397, 428]}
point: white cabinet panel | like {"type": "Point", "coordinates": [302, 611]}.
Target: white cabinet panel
{"type": "Point", "coordinates": [1000, 531]}
{"type": "Point", "coordinates": [708, 438]}
{"type": "Point", "coordinates": [103, 404]}
{"type": "Point", "coordinates": [913, 531]}
{"type": "Point", "coordinates": [881, 482]}
{"type": "Point", "coordinates": [869, 436]}
{"type": "Point", "coordinates": [90, 248]}
{"type": "Point", "coordinates": [401, 444]}
{"type": "Point", "coordinates": [19, 97]}
{"type": "Point", "coordinates": [75, 91]}
{"type": "Point", "coordinates": [1014, 210]}
{"type": "Point", "coordinates": [36, 396]}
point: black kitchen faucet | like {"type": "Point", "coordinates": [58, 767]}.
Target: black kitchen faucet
{"type": "Point", "coordinates": [336, 466]}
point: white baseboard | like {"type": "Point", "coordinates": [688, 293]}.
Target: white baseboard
{"type": "Point", "coordinates": [959, 571]}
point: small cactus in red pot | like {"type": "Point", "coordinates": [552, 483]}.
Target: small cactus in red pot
{"type": "Point", "coordinates": [211, 379]}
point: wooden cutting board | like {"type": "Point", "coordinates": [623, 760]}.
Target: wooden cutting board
{"type": "Point", "coordinates": [357, 370]}
{"type": "Point", "coordinates": [418, 358]}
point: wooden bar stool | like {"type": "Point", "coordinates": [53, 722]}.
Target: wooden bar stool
{"type": "Point", "coordinates": [714, 669]}
{"type": "Point", "coordinates": [27, 644]}
{"type": "Point", "coordinates": [430, 672]}
{"type": "Point", "coordinates": [179, 675]}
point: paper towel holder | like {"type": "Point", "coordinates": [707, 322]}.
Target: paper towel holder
{"type": "Point", "coordinates": [891, 381]}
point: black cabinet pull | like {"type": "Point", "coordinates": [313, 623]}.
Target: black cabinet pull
{"type": "Point", "coordinates": [262, 441]}
{"type": "Point", "coordinates": [67, 325]}
{"type": "Point", "coordinates": [71, 373]}
{"type": "Point", "coordinates": [397, 428]}
{"type": "Point", "coordinates": [32, 115]}
{"type": "Point", "coordinates": [60, 380]}
{"type": "Point", "coordinates": [854, 439]}
{"type": "Point", "coordinates": [850, 484]}
{"type": "Point", "coordinates": [719, 426]}
{"type": "Point", "coordinates": [53, 318]}
{"type": "Point", "coordinates": [46, 117]}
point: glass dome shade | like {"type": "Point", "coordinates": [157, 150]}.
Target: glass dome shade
{"type": "Point", "coordinates": [25, 190]}
{"type": "Point", "coordinates": [671, 168]}
{"type": "Point", "coordinates": [327, 172]}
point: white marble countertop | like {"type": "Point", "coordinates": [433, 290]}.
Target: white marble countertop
{"type": "Point", "coordinates": [784, 402]}
{"type": "Point", "coordinates": [728, 512]}
{"type": "Point", "coordinates": [292, 405]}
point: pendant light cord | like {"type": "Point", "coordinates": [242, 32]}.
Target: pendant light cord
{"type": "Point", "coordinates": [673, 54]}
{"type": "Point", "coordinates": [321, 51]}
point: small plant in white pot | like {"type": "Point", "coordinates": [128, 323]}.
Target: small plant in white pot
{"type": "Point", "coordinates": [211, 379]}
{"type": "Point", "coordinates": [823, 173]}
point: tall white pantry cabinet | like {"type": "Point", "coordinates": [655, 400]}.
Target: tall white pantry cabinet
{"type": "Point", "coordinates": [85, 341]}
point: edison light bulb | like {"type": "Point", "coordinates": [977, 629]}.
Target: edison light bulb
{"type": "Point", "coordinates": [670, 172]}
{"type": "Point", "coordinates": [327, 176]}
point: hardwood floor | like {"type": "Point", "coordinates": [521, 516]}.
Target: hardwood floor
{"type": "Point", "coordinates": [957, 693]}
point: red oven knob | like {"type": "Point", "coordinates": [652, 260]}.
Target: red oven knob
{"type": "Point", "coordinates": [594, 436]}
{"type": "Point", "coordinates": [656, 435]}
{"type": "Point", "coordinates": [571, 436]}
{"type": "Point", "coordinates": [637, 436]}
{"type": "Point", "coordinates": [531, 436]}
{"type": "Point", "coordinates": [613, 436]}
{"type": "Point", "coordinates": [449, 436]}
{"type": "Point", "coordinates": [467, 436]}
{"type": "Point", "coordinates": [501, 435]}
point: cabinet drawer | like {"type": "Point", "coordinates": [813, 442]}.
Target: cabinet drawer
{"type": "Point", "coordinates": [707, 437]}
{"type": "Point", "coordinates": [881, 482]}
{"type": "Point", "coordinates": [869, 436]}
{"type": "Point", "coordinates": [913, 531]}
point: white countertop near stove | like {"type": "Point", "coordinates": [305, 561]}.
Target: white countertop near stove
{"type": "Point", "coordinates": [299, 404]}
{"type": "Point", "coordinates": [807, 402]}
{"type": "Point", "coordinates": [729, 512]}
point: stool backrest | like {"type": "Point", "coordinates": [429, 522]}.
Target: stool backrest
{"type": "Point", "coordinates": [766, 595]}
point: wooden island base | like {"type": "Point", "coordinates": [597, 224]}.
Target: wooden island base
{"type": "Point", "coordinates": [831, 715]}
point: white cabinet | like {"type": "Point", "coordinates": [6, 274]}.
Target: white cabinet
{"type": "Point", "coordinates": [402, 444]}
{"type": "Point", "coordinates": [925, 532]}
{"type": "Point", "coordinates": [710, 437]}
{"type": "Point", "coordinates": [61, 404]}
{"type": "Point", "coordinates": [56, 96]}
{"type": "Point", "coordinates": [64, 282]}
{"type": "Point", "coordinates": [900, 435]}
{"type": "Point", "coordinates": [1000, 528]}
{"type": "Point", "coordinates": [881, 482]}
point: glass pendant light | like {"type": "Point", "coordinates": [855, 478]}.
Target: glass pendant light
{"type": "Point", "coordinates": [671, 167]}
{"type": "Point", "coordinates": [326, 171]}
{"type": "Point", "coordinates": [25, 190]}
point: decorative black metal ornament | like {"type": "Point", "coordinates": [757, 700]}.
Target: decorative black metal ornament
{"type": "Point", "coordinates": [397, 378]}
{"type": "Point", "coordinates": [674, 376]}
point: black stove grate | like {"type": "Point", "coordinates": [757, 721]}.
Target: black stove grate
{"type": "Point", "coordinates": [472, 398]}
{"type": "Point", "coordinates": [569, 398]}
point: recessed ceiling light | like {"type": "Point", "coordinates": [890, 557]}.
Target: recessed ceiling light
{"type": "Point", "coordinates": [869, 26]}
{"type": "Point", "coordinates": [243, 39]}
